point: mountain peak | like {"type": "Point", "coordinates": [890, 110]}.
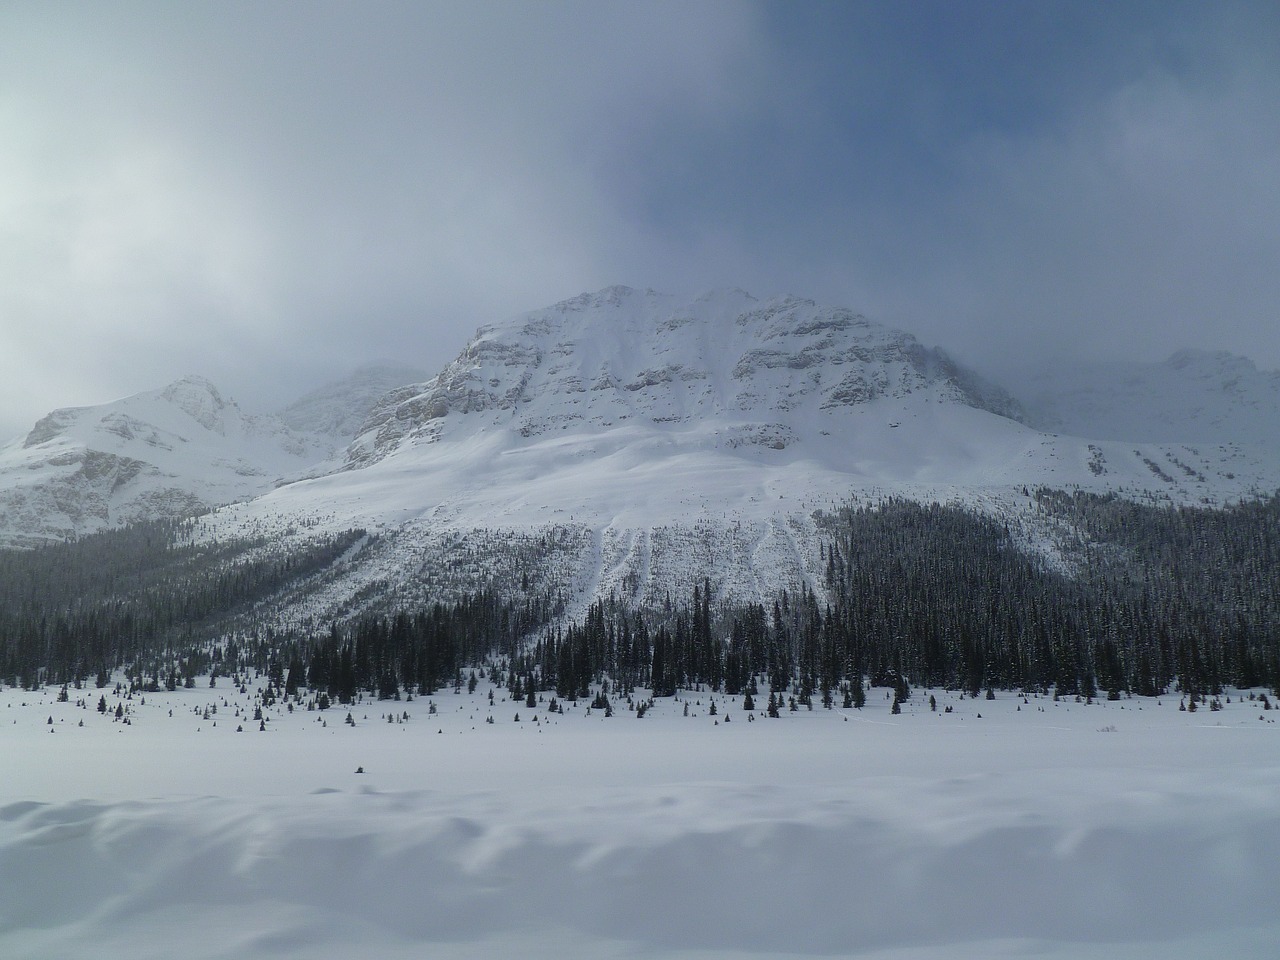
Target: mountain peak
{"type": "Point", "coordinates": [164, 452]}
{"type": "Point", "coordinates": [621, 356]}
{"type": "Point", "coordinates": [609, 296]}
{"type": "Point", "coordinates": [50, 426]}
{"type": "Point", "coordinates": [635, 440]}
{"type": "Point", "coordinates": [199, 399]}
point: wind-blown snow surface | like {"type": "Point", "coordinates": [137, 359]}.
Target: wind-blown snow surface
{"type": "Point", "coordinates": [1037, 829]}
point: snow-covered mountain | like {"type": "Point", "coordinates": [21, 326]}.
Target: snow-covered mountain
{"type": "Point", "coordinates": [1193, 396]}
{"type": "Point", "coordinates": [630, 442]}
{"type": "Point", "coordinates": [167, 453]}
{"type": "Point", "coordinates": [600, 360]}
{"type": "Point", "coordinates": [635, 442]}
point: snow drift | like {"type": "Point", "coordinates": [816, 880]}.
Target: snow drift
{"type": "Point", "coordinates": [1005, 828]}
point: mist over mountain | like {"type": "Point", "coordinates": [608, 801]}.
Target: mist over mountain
{"type": "Point", "coordinates": [337, 410]}
{"type": "Point", "coordinates": [1193, 396]}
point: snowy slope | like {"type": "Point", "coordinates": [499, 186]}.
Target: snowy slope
{"type": "Point", "coordinates": [167, 453]}
{"type": "Point", "coordinates": [665, 441]}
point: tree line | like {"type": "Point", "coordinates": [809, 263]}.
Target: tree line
{"type": "Point", "coordinates": [143, 597]}
{"type": "Point", "coordinates": [1150, 599]}
{"type": "Point", "coordinates": [1157, 599]}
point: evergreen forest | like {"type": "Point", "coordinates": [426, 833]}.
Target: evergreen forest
{"type": "Point", "coordinates": [1147, 600]}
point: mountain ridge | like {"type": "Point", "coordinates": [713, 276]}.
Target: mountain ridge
{"type": "Point", "coordinates": [164, 453]}
{"type": "Point", "coordinates": [655, 341]}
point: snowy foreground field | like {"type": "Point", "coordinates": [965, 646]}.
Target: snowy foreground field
{"type": "Point", "coordinates": [1038, 829]}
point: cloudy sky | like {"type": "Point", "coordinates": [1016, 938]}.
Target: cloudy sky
{"type": "Point", "coordinates": [272, 193]}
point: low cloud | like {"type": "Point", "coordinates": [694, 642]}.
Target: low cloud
{"type": "Point", "coordinates": [270, 195]}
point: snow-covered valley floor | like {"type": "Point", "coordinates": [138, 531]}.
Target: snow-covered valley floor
{"type": "Point", "coordinates": [1039, 829]}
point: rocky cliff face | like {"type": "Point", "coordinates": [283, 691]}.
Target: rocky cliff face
{"type": "Point", "coordinates": [626, 355]}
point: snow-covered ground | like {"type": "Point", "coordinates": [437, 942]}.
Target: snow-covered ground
{"type": "Point", "coordinates": [1038, 829]}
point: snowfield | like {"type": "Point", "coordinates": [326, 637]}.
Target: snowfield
{"type": "Point", "coordinates": [1019, 827]}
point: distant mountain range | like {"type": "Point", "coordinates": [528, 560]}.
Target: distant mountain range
{"type": "Point", "coordinates": [168, 453]}
{"type": "Point", "coordinates": [622, 433]}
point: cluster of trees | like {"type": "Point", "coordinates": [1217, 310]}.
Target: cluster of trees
{"type": "Point", "coordinates": [912, 595]}
{"type": "Point", "coordinates": [939, 596]}
{"type": "Point", "coordinates": [416, 651]}
{"type": "Point", "coordinates": [1190, 595]}
{"type": "Point", "coordinates": [142, 597]}
{"type": "Point", "coordinates": [661, 652]}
